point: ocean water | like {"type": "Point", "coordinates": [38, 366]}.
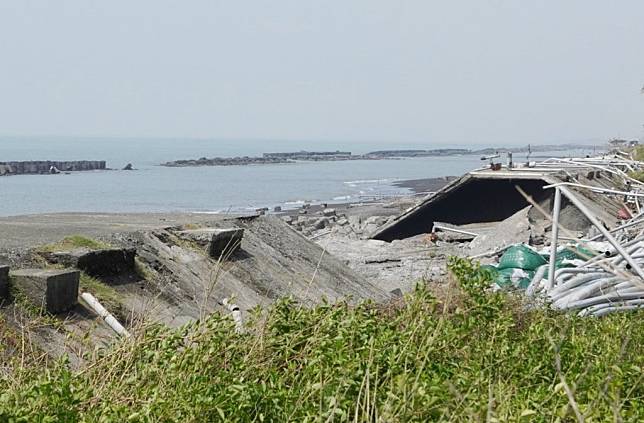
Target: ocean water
{"type": "Point", "coordinates": [153, 188]}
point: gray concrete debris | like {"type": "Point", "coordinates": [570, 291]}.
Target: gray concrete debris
{"type": "Point", "coordinates": [393, 265]}
{"type": "Point", "coordinates": [275, 262]}
{"type": "Point", "coordinates": [287, 219]}
{"type": "Point", "coordinates": [513, 230]}
{"type": "Point", "coordinates": [321, 223]}
{"type": "Point", "coordinates": [97, 263]}
{"type": "Point", "coordinates": [55, 290]}
{"type": "Point", "coordinates": [328, 212]}
{"type": "Point", "coordinates": [4, 281]}
{"type": "Point", "coordinates": [220, 243]}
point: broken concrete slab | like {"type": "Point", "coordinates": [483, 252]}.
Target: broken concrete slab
{"type": "Point", "coordinates": [328, 212]}
{"type": "Point", "coordinates": [513, 230]}
{"type": "Point", "coordinates": [218, 242]}
{"type": "Point", "coordinates": [4, 282]}
{"type": "Point", "coordinates": [55, 290]}
{"type": "Point", "coordinates": [97, 263]}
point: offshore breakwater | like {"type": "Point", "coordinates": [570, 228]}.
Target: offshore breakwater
{"type": "Point", "coordinates": [46, 167]}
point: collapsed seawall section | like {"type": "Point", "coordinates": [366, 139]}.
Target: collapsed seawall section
{"type": "Point", "coordinates": [46, 167]}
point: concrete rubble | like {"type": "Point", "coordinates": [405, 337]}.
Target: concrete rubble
{"type": "Point", "coordinates": [54, 290]}
{"type": "Point", "coordinates": [104, 262]}
{"type": "Point", "coordinates": [487, 212]}
{"type": "Point", "coordinates": [189, 266]}
{"type": "Point", "coordinates": [219, 243]}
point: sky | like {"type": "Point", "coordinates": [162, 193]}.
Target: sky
{"type": "Point", "coordinates": [401, 71]}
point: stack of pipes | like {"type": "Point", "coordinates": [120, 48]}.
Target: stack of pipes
{"type": "Point", "coordinates": [610, 281]}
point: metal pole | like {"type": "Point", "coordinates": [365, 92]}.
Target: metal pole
{"type": "Point", "coordinates": [555, 235]}
{"type": "Point", "coordinates": [458, 231]}
{"type": "Point", "coordinates": [582, 208]}
{"type": "Point", "coordinates": [619, 228]}
{"type": "Point", "coordinates": [596, 189]}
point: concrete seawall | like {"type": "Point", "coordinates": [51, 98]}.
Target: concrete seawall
{"type": "Point", "coordinates": [43, 167]}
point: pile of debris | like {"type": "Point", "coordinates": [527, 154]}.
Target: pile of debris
{"type": "Point", "coordinates": [586, 255]}
{"type": "Point", "coordinates": [330, 222]}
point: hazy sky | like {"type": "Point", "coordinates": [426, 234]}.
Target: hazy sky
{"type": "Point", "coordinates": [404, 71]}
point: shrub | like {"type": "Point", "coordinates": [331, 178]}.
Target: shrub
{"type": "Point", "coordinates": [469, 356]}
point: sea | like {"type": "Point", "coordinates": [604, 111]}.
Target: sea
{"type": "Point", "coordinates": [235, 189]}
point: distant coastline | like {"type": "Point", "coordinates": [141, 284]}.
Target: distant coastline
{"type": "Point", "coordinates": [317, 156]}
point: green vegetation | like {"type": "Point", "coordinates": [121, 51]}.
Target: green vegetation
{"type": "Point", "coordinates": [34, 313]}
{"type": "Point", "coordinates": [75, 241]}
{"type": "Point", "coordinates": [103, 293]}
{"type": "Point", "coordinates": [466, 355]}
{"type": "Point", "coordinates": [638, 153]}
{"type": "Point", "coordinates": [143, 270]}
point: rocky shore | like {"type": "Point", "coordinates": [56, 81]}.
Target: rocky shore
{"type": "Point", "coordinates": [47, 167]}
{"type": "Point", "coordinates": [226, 161]}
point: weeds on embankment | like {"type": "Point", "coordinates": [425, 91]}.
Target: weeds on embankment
{"type": "Point", "coordinates": [466, 356]}
{"type": "Point", "coordinates": [73, 242]}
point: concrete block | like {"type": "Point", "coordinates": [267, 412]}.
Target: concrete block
{"type": "Point", "coordinates": [328, 212]}
{"type": "Point", "coordinates": [4, 282]}
{"type": "Point", "coordinates": [97, 263]}
{"type": "Point", "coordinates": [55, 290]}
{"type": "Point", "coordinates": [218, 242]}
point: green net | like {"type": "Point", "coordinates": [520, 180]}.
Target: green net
{"type": "Point", "coordinates": [513, 278]}
{"type": "Point", "coordinates": [521, 257]}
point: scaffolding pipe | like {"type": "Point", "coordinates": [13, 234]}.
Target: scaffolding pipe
{"type": "Point", "coordinates": [619, 228]}
{"type": "Point", "coordinates": [490, 253]}
{"type": "Point", "coordinates": [458, 231]}
{"type": "Point", "coordinates": [104, 314]}
{"type": "Point", "coordinates": [573, 199]}
{"type": "Point", "coordinates": [555, 234]}
{"type": "Point", "coordinates": [596, 189]}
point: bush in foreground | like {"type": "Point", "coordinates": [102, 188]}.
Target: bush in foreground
{"type": "Point", "coordinates": [465, 356]}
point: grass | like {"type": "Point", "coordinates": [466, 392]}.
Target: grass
{"type": "Point", "coordinates": [638, 153]}
{"type": "Point", "coordinates": [35, 313]}
{"type": "Point", "coordinates": [73, 242]}
{"type": "Point", "coordinates": [105, 294]}
{"type": "Point", "coordinates": [467, 355]}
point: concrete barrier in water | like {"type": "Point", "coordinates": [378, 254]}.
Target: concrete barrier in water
{"type": "Point", "coordinates": [44, 167]}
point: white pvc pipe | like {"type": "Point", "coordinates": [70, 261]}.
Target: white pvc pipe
{"type": "Point", "coordinates": [594, 309]}
{"type": "Point", "coordinates": [236, 313]}
{"type": "Point", "coordinates": [104, 314]}
{"type": "Point", "coordinates": [563, 290]}
{"type": "Point", "coordinates": [584, 292]}
{"type": "Point", "coordinates": [613, 309]}
{"type": "Point", "coordinates": [604, 298]}
{"type": "Point", "coordinates": [538, 276]}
